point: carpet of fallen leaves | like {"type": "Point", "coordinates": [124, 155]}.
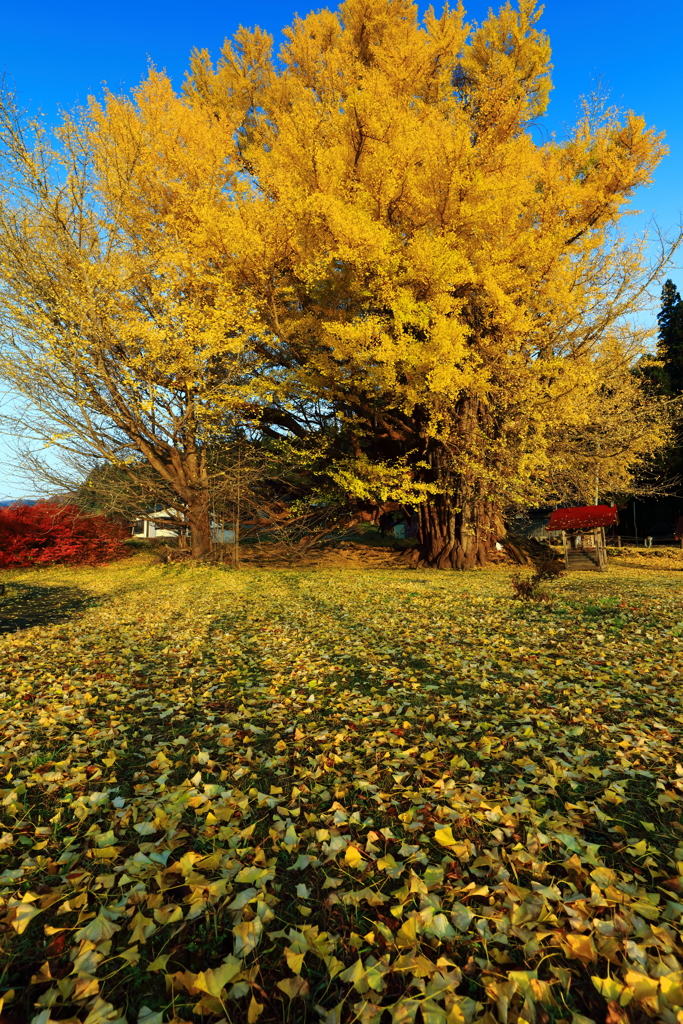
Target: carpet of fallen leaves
{"type": "Point", "coordinates": [342, 796]}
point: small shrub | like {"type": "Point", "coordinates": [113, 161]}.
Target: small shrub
{"type": "Point", "coordinates": [528, 588]}
{"type": "Point", "coordinates": [51, 534]}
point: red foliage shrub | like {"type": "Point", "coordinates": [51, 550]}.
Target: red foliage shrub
{"type": "Point", "coordinates": [48, 534]}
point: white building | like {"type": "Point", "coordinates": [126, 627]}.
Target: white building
{"type": "Point", "coordinates": [160, 524]}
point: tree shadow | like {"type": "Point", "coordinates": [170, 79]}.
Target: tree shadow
{"type": "Point", "coordinates": [24, 605]}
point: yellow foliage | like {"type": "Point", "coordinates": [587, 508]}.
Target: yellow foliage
{"type": "Point", "coordinates": [368, 228]}
{"type": "Point", "coordinates": [121, 324]}
{"type": "Point", "coordinates": [453, 287]}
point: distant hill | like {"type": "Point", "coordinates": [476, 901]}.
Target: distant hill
{"type": "Point", "coordinates": [6, 502]}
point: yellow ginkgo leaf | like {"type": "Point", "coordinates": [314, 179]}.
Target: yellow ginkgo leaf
{"type": "Point", "coordinates": [672, 987]}
{"type": "Point", "coordinates": [353, 857]}
{"type": "Point", "coordinates": [294, 960]}
{"type": "Point", "coordinates": [444, 836]}
{"type": "Point", "coordinates": [215, 979]}
{"type": "Point", "coordinates": [22, 915]}
{"type": "Point", "coordinates": [97, 930]}
{"type": "Point", "coordinates": [160, 963]}
{"type": "Point", "coordinates": [141, 928]}
{"type": "Point", "coordinates": [255, 1010]}
{"type": "Point", "coordinates": [293, 987]}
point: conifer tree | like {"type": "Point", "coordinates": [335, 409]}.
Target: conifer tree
{"type": "Point", "coordinates": [662, 375]}
{"type": "Point", "coordinates": [670, 341]}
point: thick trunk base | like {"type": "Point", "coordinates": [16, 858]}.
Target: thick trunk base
{"type": "Point", "coordinates": [459, 555]}
{"type": "Point", "coordinates": [454, 533]}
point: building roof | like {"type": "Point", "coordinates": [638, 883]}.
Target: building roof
{"type": "Point", "coordinates": [589, 517]}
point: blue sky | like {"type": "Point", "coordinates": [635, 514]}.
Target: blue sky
{"type": "Point", "coordinates": [55, 55]}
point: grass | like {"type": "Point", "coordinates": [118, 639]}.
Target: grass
{"type": "Point", "coordinates": [340, 796]}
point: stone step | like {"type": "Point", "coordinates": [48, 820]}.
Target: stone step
{"type": "Point", "coordinates": [581, 560]}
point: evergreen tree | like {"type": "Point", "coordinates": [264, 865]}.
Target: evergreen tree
{"type": "Point", "coordinates": [662, 374]}
{"type": "Point", "coordinates": [670, 344]}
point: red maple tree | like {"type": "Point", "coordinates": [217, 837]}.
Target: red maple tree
{"type": "Point", "coordinates": [48, 534]}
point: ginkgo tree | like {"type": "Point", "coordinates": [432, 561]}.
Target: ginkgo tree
{"type": "Point", "coordinates": [444, 279]}
{"type": "Point", "coordinates": [119, 326]}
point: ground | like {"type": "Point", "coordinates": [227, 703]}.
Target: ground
{"type": "Point", "coordinates": [341, 795]}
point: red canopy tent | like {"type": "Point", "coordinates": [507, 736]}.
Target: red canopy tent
{"type": "Point", "coordinates": [590, 517]}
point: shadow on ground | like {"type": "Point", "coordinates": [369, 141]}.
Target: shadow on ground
{"type": "Point", "coordinates": [23, 606]}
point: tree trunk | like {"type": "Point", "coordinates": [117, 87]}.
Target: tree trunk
{"type": "Point", "coordinates": [456, 529]}
{"type": "Point", "coordinates": [460, 523]}
{"type": "Point", "coordinates": [238, 510]}
{"type": "Point", "coordinates": [200, 528]}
